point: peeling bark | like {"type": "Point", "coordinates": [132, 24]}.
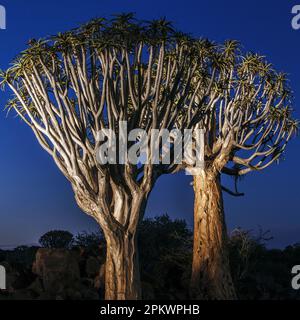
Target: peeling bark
{"type": "Point", "coordinates": [211, 277]}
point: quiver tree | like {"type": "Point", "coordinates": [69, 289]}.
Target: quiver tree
{"type": "Point", "coordinates": [69, 87]}
{"type": "Point", "coordinates": [248, 125]}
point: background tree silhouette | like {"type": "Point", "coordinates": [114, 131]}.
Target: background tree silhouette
{"type": "Point", "coordinates": [57, 239]}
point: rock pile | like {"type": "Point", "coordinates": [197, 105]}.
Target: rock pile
{"type": "Point", "coordinates": [59, 274]}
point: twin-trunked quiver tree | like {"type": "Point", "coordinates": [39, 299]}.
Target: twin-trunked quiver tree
{"type": "Point", "coordinates": [69, 87]}
{"type": "Point", "coordinates": [248, 124]}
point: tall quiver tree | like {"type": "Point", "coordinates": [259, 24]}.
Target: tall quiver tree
{"type": "Point", "coordinates": [69, 87]}
{"type": "Point", "coordinates": [248, 124]}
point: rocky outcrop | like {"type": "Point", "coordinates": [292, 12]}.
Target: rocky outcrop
{"type": "Point", "coordinates": [58, 269]}
{"type": "Point", "coordinates": [59, 274]}
{"type": "Point", "coordinates": [56, 274]}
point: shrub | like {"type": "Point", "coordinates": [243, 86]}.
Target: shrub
{"type": "Point", "coordinates": [57, 239]}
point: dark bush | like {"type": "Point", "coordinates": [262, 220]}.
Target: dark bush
{"type": "Point", "coordinates": [165, 250]}
{"type": "Point", "coordinates": [261, 273]}
{"type": "Point", "coordinates": [57, 239]}
{"type": "Point", "coordinates": [93, 243]}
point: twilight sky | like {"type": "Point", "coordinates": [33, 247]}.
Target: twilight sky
{"type": "Point", "coordinates": [35, 197]}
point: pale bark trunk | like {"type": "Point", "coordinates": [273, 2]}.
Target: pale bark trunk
{"type": "Point", "coordinates": [211, 277]}
{"type": "Point", "coordinates": [122, 276]}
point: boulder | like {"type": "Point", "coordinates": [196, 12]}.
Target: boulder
{"type": "Point", "coordinates": [58, 269]}
{"type": "Point", "coordinates": [92, 267]}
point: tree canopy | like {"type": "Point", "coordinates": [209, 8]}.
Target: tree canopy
{"type": "Point", "coordinates": [248, 110]}
{"type": "Point", "coordinates": [69, 86]}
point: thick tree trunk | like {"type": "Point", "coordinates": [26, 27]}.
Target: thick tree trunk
{"type": "Point", "coordinates": [122, 276]}
{"type": "Point", "coordinates": [211, 277]}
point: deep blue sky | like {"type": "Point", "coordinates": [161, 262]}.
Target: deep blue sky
{"type": "Point", "coordinates": [35, 197]}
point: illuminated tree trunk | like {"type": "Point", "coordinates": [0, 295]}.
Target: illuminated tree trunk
{"type": "Point", "coordinates": [211, 277]}
{"type": "Point", "coordinates": [122, 277]}
{"type": "Point", "coordinates": [121, 213]}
